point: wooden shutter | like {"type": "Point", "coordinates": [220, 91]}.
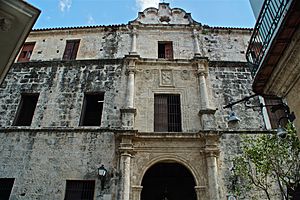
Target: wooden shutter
{"type": "Point", "coordinates": [168, 50]}
{"type": "Point", "coordinates": [167, 114]}
{"type": "Point", "coordinates": [26, 52]}
{"type": "Point", "coordinates": [75, 49]}
{"type": "Point", "coordinates": [80, 190]}
{"type": "Point", "coordinates": [160, 113]}
{"type": "Point", "coordinates": [275, 116]}
{"type": "Point", "coordinates": [71, 50]}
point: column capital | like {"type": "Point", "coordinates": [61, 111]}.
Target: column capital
{"type": "Point", "coordinates": [212, 153]}
{"type": "Point", "coordinates": [202, 73]}
{"type": "Point", "coordinates": [130, 70]}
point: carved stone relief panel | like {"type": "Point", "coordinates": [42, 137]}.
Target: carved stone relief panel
{"type": "Point", "coordinates": [147, 74]}
{"type": "Point", "coordinates": [166, 78]}
{"type": "Point", "coordinates": [185, 75]}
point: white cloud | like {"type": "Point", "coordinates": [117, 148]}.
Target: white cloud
{"type": "Point", "coordinates": [143, 4]}
{"type": "Point", "coordinates": [91, 20]}
{"type": "Point", "coordinates": [64, 5]}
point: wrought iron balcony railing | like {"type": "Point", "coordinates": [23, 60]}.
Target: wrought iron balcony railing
{"type": "Point", "coordinates": [271, 15]}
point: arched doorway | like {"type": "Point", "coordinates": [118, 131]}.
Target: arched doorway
{"type": "Point", "coordinates": [168, 181]}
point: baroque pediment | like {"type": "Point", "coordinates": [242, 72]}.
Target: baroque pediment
{"type": "Point", "coordinates": [164, 15]}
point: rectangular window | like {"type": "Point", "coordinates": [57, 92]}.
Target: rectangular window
{"type": "Point", "coordinates": [26, 52]}
{"type": "Point", "coordinates": [71, 49]}
{"type": "Point", "coordinates": [275, 115]}
{"type": "Point", "coordinates": [80, 190]}
{"type": "Point", "coordinates": [6, 185]}
{"type": "Point", "coordinates": [165, 50]}
{"type": "Point", "coordinates": [92, 109]}
{"type": "Point", "coordinates": [167, 114]}
{"type": "Point", "coordinates": [26, 109]}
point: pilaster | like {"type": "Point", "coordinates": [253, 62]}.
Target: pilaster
{"type": "Point", "coordinates": [196, 43]}
{"type": "Point", "coordinates": [212, 153]}
{"type": "Point", "coordinates": [207, 111]}
{"type": "Point", "coordinates": [128, 111]}
{"type": "Point", "coordinates": [126, 150]}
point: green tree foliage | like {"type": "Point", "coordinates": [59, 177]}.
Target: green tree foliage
{"type": "Point", "coordinates": [268, 160]}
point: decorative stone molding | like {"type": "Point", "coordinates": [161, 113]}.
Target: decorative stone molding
{"type": "Point", "coordinates": [136, 192]}
{"type": "Point", "coordinates": [164, 15]}
{"type": "Point", "coordinates": [201, 64]}
{"type": "Point", "coordinates": [201, 192]}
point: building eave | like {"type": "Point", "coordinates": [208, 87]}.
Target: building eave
{"type": "Point", "coordinates": [18, 19]}
{"type": "Point", "coordinates": [278, 47]}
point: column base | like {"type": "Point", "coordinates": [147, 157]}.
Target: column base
{"type": "Point", "coordinates": [207, 118]}
{"type": "Point", "coordinates": [127, 116]}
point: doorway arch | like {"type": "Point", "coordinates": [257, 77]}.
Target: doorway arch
{"type": "Point", "coordinates": [168, 181]}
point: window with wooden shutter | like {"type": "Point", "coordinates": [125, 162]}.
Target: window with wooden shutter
{"type": "Point", "coordinates": [167, 113]}
{"type": "Point", "coordinates": [275, 114]}
{"type": "Point", "coordinates": [71, 49]}
{"type": "Point", "coordinates": [92, 109]}
{"type": "Point", "coordinates": [26, 110]}
{"type": "Point", "coordinates": [6, 185]}
{"type": "Point", "coordinates": [165, 50]}
{"type": "Point", "coordinates": [80, 190]}
{"type": "Point", "coordinates": [26, 52]}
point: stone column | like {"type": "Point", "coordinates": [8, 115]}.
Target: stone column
{"type": "Point", "coordinates": [130, 88]}
{"type": "Point", "coordinates": [203, 90]}
{"type": "Point", "coordinates": [128, 111]}
{"type": "Point", "coordinates": [196, 43]}
{"type": "Point", "coordinates": [133, 41]}
{"type": "Point", "coordinates": [126, 157]}
{"type": "Point", "coordinates": [212, 152]}
{"type": "Point", "coordinates": [212, 172]}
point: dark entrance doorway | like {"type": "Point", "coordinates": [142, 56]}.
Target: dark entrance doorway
{"type": "Point", "coordinates": [168, 181]}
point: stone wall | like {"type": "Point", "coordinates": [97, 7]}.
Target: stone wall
{"type": "Point", "coordinates": [111, 42]}
{"type": "Point", "coordinates": [41, 160]}
{"type": "Point", "coordinates": [61, 87]}
{"type": "Point", "coordinates": [95, 43]}
{"type": "Point", "coordinates": [231, 81]}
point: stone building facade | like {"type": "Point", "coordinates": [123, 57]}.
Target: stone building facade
{"type": "Point", "coordinates": [145, 100]}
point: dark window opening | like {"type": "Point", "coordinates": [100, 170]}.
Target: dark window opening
{"type": "Point", "coordinates": [92, 110]}
{"type": "Point", "coordinates": [26, 52]}
{"type": "Point", "coordinates": [80, 190]}
{"type": "Point", "coordinates": [71, 49]}
{"type": "Point", "coordinates": [26, 109]}
{"type": "Point", "coordinates": [6, 185]}
{"type": "Point", "coordinates": [167, 114]}
{"type": "Point", "coordinates": [274, 117]}
{"type": "Point", "coordinates": [168, 181]}
{"type": "Point", "coordinates": [165, 50]}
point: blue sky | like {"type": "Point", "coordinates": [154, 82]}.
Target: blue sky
{"type": "Point", "coordinates": [66, 13]}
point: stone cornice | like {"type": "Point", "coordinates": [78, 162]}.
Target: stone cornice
{"type": "Point", "coordinates": [61, 63]}
{"type": "Point", "coordinates": [64, 129]}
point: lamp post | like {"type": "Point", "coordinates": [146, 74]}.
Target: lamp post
{"type": "Point", "coordinates": [281, 132]}
{"type": "Point", "coordinates": [102, 172]}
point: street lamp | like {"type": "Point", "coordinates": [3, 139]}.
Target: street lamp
{"type": "Point", "coordinates": [102, 172]}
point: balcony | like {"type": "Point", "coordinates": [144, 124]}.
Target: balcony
{"type": "Point", "coordinates": [272, 35]}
